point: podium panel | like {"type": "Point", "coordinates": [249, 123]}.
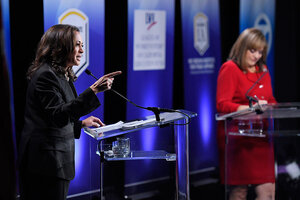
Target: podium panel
{"type": "Point", "coordinates": [180, 119]}
{"type": "Point", "coordinates": [261, 146]}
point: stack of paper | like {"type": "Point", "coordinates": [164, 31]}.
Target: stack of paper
{"type": "Point", "coordinates": [136, 124]}
{"type": "Point", "coordinates": [106, 128]}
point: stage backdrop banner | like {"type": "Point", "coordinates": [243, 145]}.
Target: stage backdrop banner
{"type": "Point", "coordinates": [260, 14]}
{"type": "Point", "coordinates": [202, 59]}
{"type": "Point", "coordinates": [149, 83]}
{"type": "Point", "coordinates": [88, 16]}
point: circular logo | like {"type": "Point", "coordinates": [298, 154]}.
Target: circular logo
{"type": "Point", "coordinates": [263, 23]}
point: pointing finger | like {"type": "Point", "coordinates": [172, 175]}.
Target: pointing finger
{"type": "Point", "coordinates": [112, 74]}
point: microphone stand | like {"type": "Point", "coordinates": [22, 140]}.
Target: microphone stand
{"type": "Point", "coordinates": [155, 110]}
{"type": "Point", "coordinates": [252, 99]}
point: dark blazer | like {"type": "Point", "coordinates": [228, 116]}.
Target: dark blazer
{"type": "Point", "coordinates": [52, 115]}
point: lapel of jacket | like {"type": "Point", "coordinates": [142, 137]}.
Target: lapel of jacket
{"type": "Point", "coordinates": [68, 88]}
{"type": "Point", "coordinates": [73, 88]}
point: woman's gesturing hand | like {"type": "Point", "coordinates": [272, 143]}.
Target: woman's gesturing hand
{"type": "Point", "coordinates": [105, 82]}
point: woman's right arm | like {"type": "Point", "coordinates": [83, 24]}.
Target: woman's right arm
{"type": "Point", "coordinates": [51, 96]}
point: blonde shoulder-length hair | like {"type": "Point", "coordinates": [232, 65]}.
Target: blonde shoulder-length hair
{"type": "Point", "coordinates": [250, 38]}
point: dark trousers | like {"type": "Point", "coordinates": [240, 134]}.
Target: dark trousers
{"type": "Point", "coordinates": [37, 187]}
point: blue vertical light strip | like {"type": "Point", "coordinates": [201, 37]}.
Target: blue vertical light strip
{"type": "Point", "coordinates": [86, 161]}
{"type": "Point", "coordinates": [260, 14]}
{"type": "Point", "coordinates": [7, 48]}
{"type": "Point", "coordinates": [202, 59]}
{"type": "Point", "coordinates": [149, 87]}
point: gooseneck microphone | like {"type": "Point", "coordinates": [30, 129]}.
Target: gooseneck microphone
{"type": "Point", "coordinates": [88, 72]}
{"type": "Point", "coordinates": [155, 110]}
{"type": "Point", "coordinates": [253, 99]}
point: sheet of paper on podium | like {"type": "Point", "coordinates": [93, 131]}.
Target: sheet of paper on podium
{"type": "Point", "coordinates": [137, 123]}
{"type": "Point", "coordinates": [96, 132]}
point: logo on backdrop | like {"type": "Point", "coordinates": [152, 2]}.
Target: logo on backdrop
{"type": "Point", "coordinates": [201, 65]}
{"type": "Point", "coordinates": [263, 23]}
{"type": "Point", "coordinates": [78, 18]}
{"type": "Point", "coordinates": [149, 43]}
{"type": "Point", "coordinates": [201, 33]}
{"type": "Point", "coordinates": [150, 20]}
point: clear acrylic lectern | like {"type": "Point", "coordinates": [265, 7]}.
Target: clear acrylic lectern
{"type": "Point", "coordinates": [279, 125]}
{"type": "Point", "coordinates": [179, 120]}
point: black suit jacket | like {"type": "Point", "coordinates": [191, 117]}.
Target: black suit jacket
{"type": "Point", "coordinates": [52, 115]}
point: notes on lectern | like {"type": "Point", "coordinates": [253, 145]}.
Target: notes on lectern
{"type": "Point", "coordinates": [96, 132]}
{"type": "Point", "coordinates": [137, 124]}
{"type": "Point", "coordinates": [109, 127]}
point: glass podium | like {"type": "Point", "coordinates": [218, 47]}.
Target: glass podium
{"type": "Point", "coordinates": [262, 138]}
{"type": "Point", "coordinates": [179, 119]}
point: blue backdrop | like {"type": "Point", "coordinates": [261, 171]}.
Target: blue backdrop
{"type": "Point", "coordinates": [149, 81]}
{"type": "Point", "coordinates": [202, 59]}
{"type": "Point", "coordinates": [90, 16]}
{"type": "Point", "coordinates": [260, 14]}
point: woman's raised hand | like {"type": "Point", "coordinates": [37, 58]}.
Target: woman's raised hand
{"type": "Point", "coordinates": [105, 82]}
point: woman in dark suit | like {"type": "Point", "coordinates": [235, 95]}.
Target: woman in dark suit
{"type": "Point", "coordinates": [52, 115]}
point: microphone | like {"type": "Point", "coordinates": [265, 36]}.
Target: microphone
{"type": "Point", "coordinates": [155, 110]}
{"type": "Point", "coordinates": [88, 72]}
{"type": "Point", "coordinates": [253, 99]}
